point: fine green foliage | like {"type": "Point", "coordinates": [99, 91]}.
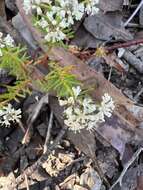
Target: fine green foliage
{"type": "Point", "coordinates": [59, 80]}
{"type": "Point", "coordinates": [13, 59]}
{"type": "Point", "coordinates": [19, 89]}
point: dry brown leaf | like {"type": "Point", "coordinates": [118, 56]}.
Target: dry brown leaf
{"type": "Point", "coordinates": [69, 182]}
{"type": "Point", "coordinates": [111, 60]}
{"type": "Point", "coordinates": [139, 183]}
{"type": "Point", "coordinates": [110, 5]}
{"type": "Point", "coordinates": [78, 187]}
{"type": "Point", "coordinates": [91, 179]}
{"type": "Point", "coordinates": [105, 26]}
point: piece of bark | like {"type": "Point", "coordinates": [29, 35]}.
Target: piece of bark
{"type": "Point", "coordinates": [133, 60]}
{"type": "Point", "coordinates": [2, 9]}
{"type": "Point", "coordinates": [141, 16]}
{"type": "Point", "coordinates": [107, 26]}
{"type": "Point", "coordinates": [110, 5]}
{"type": "Point", "coordinates": [139, 183]}
{"type": "Point", "coordinates": [7, 28]}
{"type": "Point", "coordinates": [11, 5]}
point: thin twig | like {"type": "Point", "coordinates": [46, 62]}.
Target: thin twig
{"type": "Point", "coordinates": [43, 100]}
{"type": "Point", "coordinates": [31, 120]}
{"type": "Point", "coordinates": [21, 126]}
{"type": "Point", "coordinates": [124, 45]}
{"type": "Point", "coordinates": [134, 13]}
{"type": "Point", "coordinates": [110, 73]}
{"type": "Point", "coordinates": [128, 164]}
{"type": "Point", "coordinates": [48, 132]}
{"type": "Point", "coordinates": [138, 94]}
{"type": "Point", "coordinates": [26, 182]}
{"type": "Point", "coordinates": [2, 9]}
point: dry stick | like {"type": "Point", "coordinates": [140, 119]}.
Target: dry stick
{"type": "Point", "coordinates": [26, 182]}
{"type": "Point", "coordinates": [138, 94]}
{"type": "Point", "coordinates": [124, 45]}
{"type": "Point", "coordinates": [134, 13]}
{"type": "Point", "coordinates": [21, 126]}
{"type": "Point", "coordinates": [48, 133]}
{"type": "Point", "coordinates": [43, 100]}
{"type": "Point", "coordinates": [110, 73]}
{"type": "Point", "coordinates": [134, 25]}
{"type": "Point", "coordinates": [127, 165]}
{"type": "Point", "coordinates": [2, 9]}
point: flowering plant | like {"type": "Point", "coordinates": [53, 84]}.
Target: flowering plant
{"type": "Point", "coordinates": [55, 18]}
{"type": "Point", "coordinates": [12, 60]}
{"type": "Point", "coordinates": [5, 42]}
{"type": "Point", "coordinates": [82, 112]}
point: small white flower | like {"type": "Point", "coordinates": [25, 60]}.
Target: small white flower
{"type": "Point", "coordinates": [63, 102]}
{"type": "Point", "coordinates": [2, 45]}
{"type": "Point", "coordinates": [5, 42]}
{"type": "Point", "coordinates": [8, 40]}
{"type": "Point", "coordinates": [107, 105]}
{"type": "Point", "coordinates": [76, 91]}
{"type": "Point", "coordinates": [68, 111]}
{"type": "Point", "coordinates": [43, 23]}
{"type": "Point", "coordinates": [71, 101]}
{"type": "Point", "coordinates": [27, 4]}
{"type": "Point", "coordinates": [88, 106]}
{"type": "Point", "coordinates": [8, 114]}
{"type": "Point", "coordinates": [61, 15]}
{"type": "Point", "coordinates": [74, 126]}
{"type": "Point", "coordinates": [1, 35]}
{"type": "Point", "coordinates": [1, 53]}
{"type": "Point", "coordinates": [78, 10]}
{"type": "Point", "coordinates": [55, 36]}
{"type": "Point", "coordinates": [90, 7]}
{"type": "Point", "coordinates": [39, 11]}
{"type": "Point", "coordinates": [54, 22]}
{"type": "Point", "coordinates": [63, 24]}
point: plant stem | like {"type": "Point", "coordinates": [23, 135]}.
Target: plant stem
{"type": "Point", "coordinates": [134, 13]}
{"type": "Point", "coordinates": [126, 44]}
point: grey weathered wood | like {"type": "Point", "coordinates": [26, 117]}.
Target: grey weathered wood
{"type": "Point", "coordinates": [2, 9]}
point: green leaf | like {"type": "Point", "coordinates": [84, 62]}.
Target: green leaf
{"type": "Point", "coordinates": [59, 80]}
{"type": "Point", "coordinates": [13, 59]}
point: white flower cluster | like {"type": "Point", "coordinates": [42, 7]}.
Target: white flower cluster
{"type": "Point", "coordinates": [27, 4]}
{"type": "Point", "coordinates": [8, 114]}
{"type": "Point", "coordinates": [5, 42]}
{"type": "Point", "coordinates": [59, 15]}
{"type": "Point", "coordinates": [91, 7]}
{"type": "Point", "coordinates": [84, 113]}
